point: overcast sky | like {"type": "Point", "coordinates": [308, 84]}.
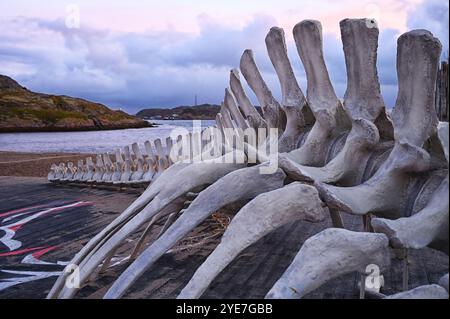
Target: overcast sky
{"type": "Point", "coordinates": [136, 54]}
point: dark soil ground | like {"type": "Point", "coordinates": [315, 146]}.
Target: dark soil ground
{"type": "Point", "coordinates": [251, 275]}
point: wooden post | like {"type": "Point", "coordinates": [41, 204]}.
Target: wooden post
{"type": "Point", "coordinates": [441, 94]}
{"type": "Point", "coordinates": [405, 269]}
{"type": "Point", "coordinates": [362, 286]}
{"type": "Point", "coordinates": [336, 218]}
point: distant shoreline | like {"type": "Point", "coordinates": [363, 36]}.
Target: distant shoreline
{"type": "Point", "coordinates": [76, 129]}
{"type": "Point", "coordinates": [198, 112]}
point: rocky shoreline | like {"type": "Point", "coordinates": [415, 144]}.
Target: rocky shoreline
{"type": "Point", "coordinates": [36, 129]}
{"type": "Point", "coordinates": [22, 110]}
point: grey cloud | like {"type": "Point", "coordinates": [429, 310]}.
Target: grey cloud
{"type": "Point", "coordinates": [136, 70]}
{"type": "Point", "coordinates": [432, 15]}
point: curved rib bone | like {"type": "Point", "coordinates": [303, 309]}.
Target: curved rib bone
{"type": "Point", "coordinates": [428, 226]}
{"type": "Point", "coordinates": [273, 114]}
{"type": "Point", "coordinates": [190, 177]}
{"type": "Point", "coordinates": [385, 192]}
{"type": "Point", "coordinates": [137, 205]}
{"type": "Point", "coordinates": [329, 254]}
{"type": "Point", "coordinates": [242, 184]}
{"type": "Point", "coordinates": [259, 217]}
{"type": "Point", "coordinates": [422, 292]}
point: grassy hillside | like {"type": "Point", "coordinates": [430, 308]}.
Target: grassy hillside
{"type": "Point", "coordinates": [23, 110]}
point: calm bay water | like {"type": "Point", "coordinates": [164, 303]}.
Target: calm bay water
{"type": "Point", "coordinates": [90, 142]}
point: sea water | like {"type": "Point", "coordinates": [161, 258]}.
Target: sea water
{"type": "Point", "coordinates": [91, 141]}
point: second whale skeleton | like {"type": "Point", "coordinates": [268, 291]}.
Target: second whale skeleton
{"type": "Point", "coordinates": [126, 168]}
{"type": "Point", "coordinates": [336, 157]}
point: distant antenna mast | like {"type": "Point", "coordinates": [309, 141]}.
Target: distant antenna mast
{"type": "Point", "coordinates": [195, 100]}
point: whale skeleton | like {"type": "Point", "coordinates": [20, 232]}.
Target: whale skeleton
{"type": "Point", "coordinates": [335, 157]}
{"type": "Point", "coordinates": [127, 168]}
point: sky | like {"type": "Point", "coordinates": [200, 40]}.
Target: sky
{"type": "Point", "coordinates": [139, 54]}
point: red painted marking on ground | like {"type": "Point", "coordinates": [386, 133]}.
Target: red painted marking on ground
{"type": "Point", "coordinates": [58, 209]}
{"type": "Point", "coordinates": [38, 254]}
{"type": "Point", "coordinates": [39, 214]}
{"type": "Point", "coordinates": [19, 252]}
{"type": "Point", "coordinates": [51, 210]}
{"type": "Point", "coordinates": [21, 210]}
{"type": "Point", "coordinates": [16, 227]}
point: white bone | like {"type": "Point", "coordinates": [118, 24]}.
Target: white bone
{"type": "Point", "coordinates": [89, 173]}
{"type": "Point", "coordinates": [348, 167]}
{"type": "Point", "coordinates": [80, 171]}
{"type": "Point", "coordinates": [136, 206]}
{"type": "Point", "coordinates": [250, 112]}
{"type": "Point", "coordinates": [363, 96]}
{"type": "Point", "coordinates": [443, 282]}
{"type": "Point", "coordinates": [428, 226]}
{"type": "Point", "coordinates": [136, 151]}
{"type": "Point", "coordinates": [109, 168]}
{"type": "Point", "coordinates": [414, 115]}
{"type": "Point", "coordinates": [331, 119]}
{"type": "Point", "coordinates": [293, 102]}
{"type": "Point", "coordinates": [53, 171]}
{"type": "Point", "coordinates": [256, 219]}
{"type": "Point", "coordinates": [327, 255]}
{"type": "Point", "coordinates": [231, 106]}
{"type": "Point", "coordinates": [272, 111]}
{"type": "Point", "coordinates": [99, 169]}
{"type": "Point", "coordinates": [241, 184]}
{"type": "Point", "coordinates": [422, 292]}
{"type": "Point", "coordinates": [190, 176]}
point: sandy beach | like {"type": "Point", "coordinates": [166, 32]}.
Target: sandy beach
{"type": "Point", "coordinates": [33, 164]}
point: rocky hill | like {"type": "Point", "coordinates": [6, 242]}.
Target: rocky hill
{"type": "Point", "coordinates": [22, 110]}
{"type": "Point", "coordinates": [198, 112]}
